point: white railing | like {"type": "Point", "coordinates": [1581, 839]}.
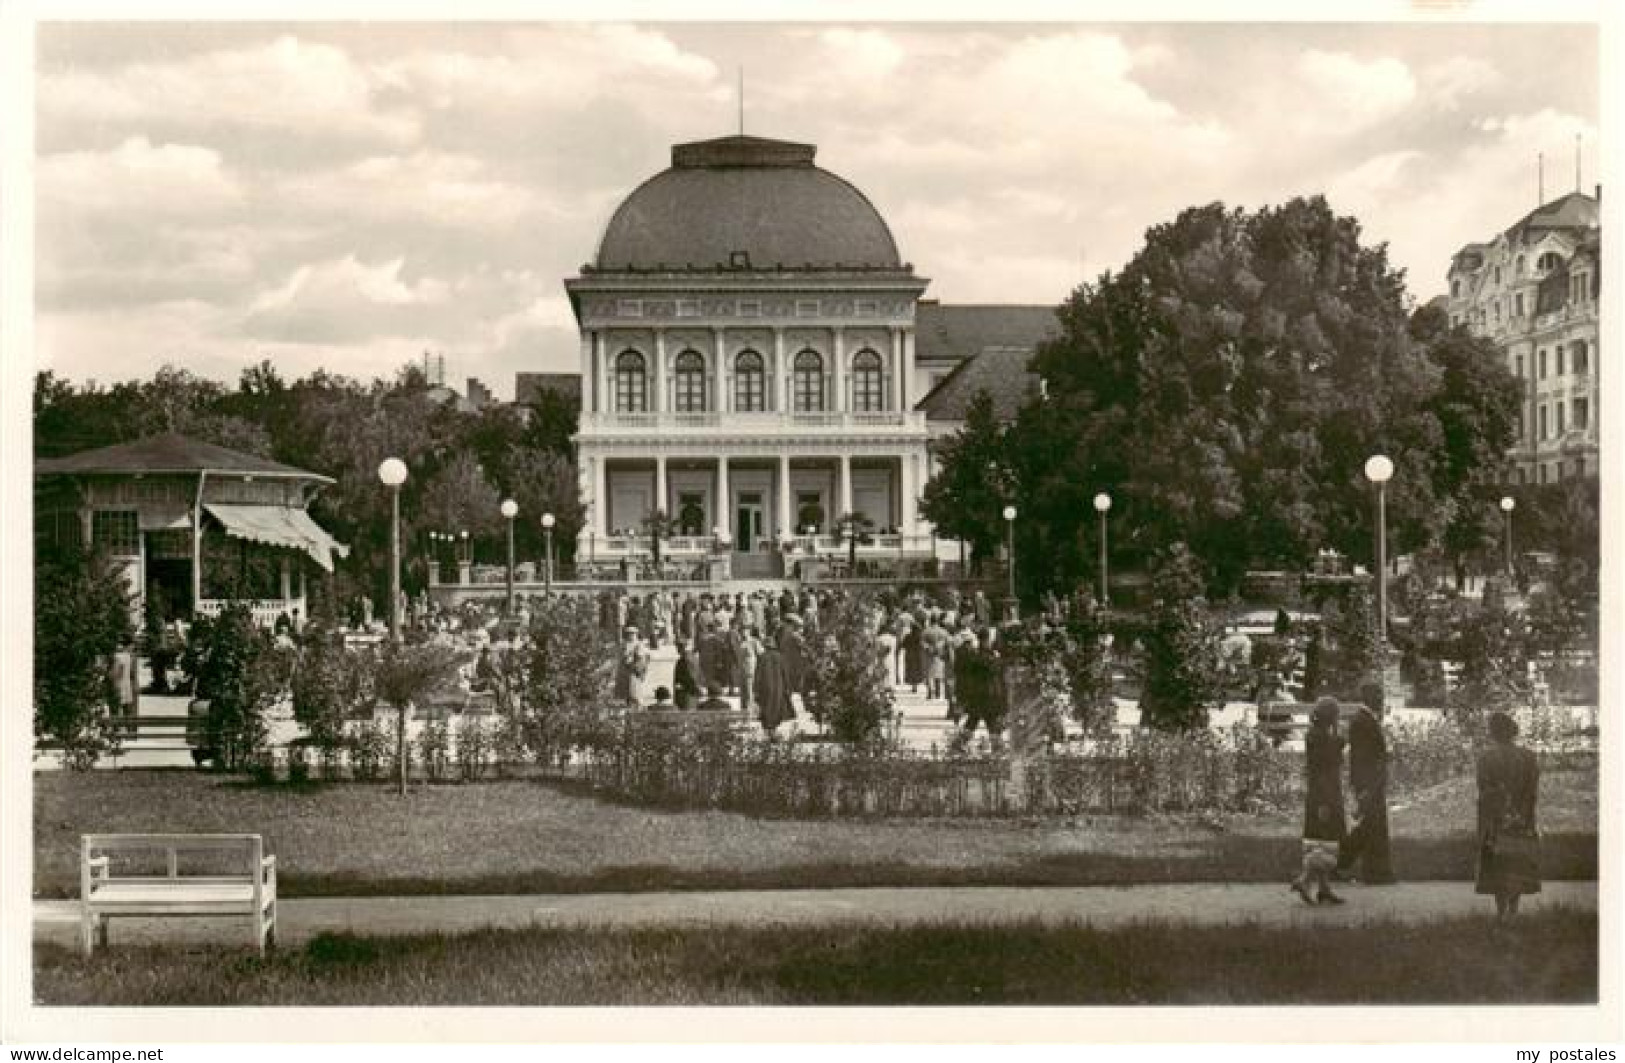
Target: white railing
{"type": "Point", "coordinates": [265, 611]}
{"type": "Point", "coordinates": [760, 422]}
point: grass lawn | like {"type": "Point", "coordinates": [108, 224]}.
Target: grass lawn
{"type": "Point", "coordinates": [1551, 958]}
{"type": "Point", "coordinates": [528, 836]}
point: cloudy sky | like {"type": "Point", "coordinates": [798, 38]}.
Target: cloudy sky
{"type": "Point", "coordinates": [347, 196]}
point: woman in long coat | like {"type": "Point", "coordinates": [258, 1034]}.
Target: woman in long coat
{"type": "Point", "coordinates": [1323, 820]}
{"type": "Point", "coordinates": [1508, 787]}
{"type": "Point", "coordinates": [772, 692]}
{"type": "Point", "coordinates": [686, 676]}
{"type": "Point", "coordinates": [913, 655]}
{"type": "Point", "coordinates": [747, 648]}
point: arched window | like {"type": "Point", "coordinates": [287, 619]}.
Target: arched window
{"type": "Point", "coordinates": [868, 383]}
{"type": "Point", "coordinates": [809, 382]}
{"type": "Point", "coordinates": [750, 388]}
{"type": "Point", "coordinates": [631, 383]}
{"type": "Point", "coordinates": [688, 389]}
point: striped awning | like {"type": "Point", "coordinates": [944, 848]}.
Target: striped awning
{"type": "Point", "coordinates": [278, 526]}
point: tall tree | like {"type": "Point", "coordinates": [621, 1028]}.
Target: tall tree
{"type": "Point", "coordinates": [965, 498]}
{"type": "Point", "coordinates": [1226, 388]}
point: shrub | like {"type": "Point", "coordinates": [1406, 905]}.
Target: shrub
{"type": "Point", "coordinates": [1183, 677]}
{"type": "Point", "coordinates": [849, 689]}
{"type": "Point", "coordinates": [369, 746]}
{"type": "Point", "coordinates": [81, 618]}
{"type": "Point", "coordinates": [475, 744]}
{"type": "Point", "coordinates": [407, 674]}
{"type": "Point", "coordinates": [434, 749]}
{"type": "Point", "coordinates": [555, 682]}
{"type": "Point", "coordinates": [238, 669]}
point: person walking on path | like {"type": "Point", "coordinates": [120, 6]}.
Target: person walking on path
{"type": "Point", "coordinates": [980, 691]}
{"type": "Point", "coordinates": [913, 647]}
{"type": "Point", "coordinates": [630, 668]}
{"type": "Point", "coordinates": [934, 648]}
{"type": "Point", "coordinates": [747, 649]}
{"type": "Point", "coordinates": [1323, 823]}
{"type": "Point", "coordinates": [772, 693]}
{"type": "Point", "coordinates": [1367, 842]}
{"type": "Point", "coordinates": [1508, 845]}
{"type": "Point", "coordinates": [795, 659]}
{"type": "Point", "coordinates": [687, 677]}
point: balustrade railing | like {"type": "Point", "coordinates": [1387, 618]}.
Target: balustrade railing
{"type": "Point", "coordinates": [264, 611]}
{"type": "Point", "coordinates": [668, 421]}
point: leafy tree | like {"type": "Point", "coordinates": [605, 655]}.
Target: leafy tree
{"type": "Point", "coordinates": [1227, 386]}
{"type": "Point", "coordinates": [458, 496]}
{"type": "Point", "coordinates": [81, 618]}
{"type": "Point", "coordinates": [404, 675]}
{"type": "Point", "coordinates": [542, 481]}
{"type": "Point", "coordinates": [1183, 674]}
{"type": "Point", "coordinates": [967, 496]}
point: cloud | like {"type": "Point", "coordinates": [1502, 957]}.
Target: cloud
{"type": "Point", "coordinates": [294, 87]}
{"type": "Point", "coordinates": [862, 53]}
{"type": "Point", "coordinates": [424, 188]}
{"type": "Point", "coordinates": [136, 176]}
{"type": "Point", "coordinates": [1349, 89]}
{"type": "Point", "coordinates": [344, 299]}
{"type": "Point", "coordinates": [1449, 84]}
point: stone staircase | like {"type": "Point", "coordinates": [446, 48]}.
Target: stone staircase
{"type": "Point", "coordinates": [754, 565]}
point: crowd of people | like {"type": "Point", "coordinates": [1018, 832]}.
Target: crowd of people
{"type": "Point", "coordinates": [752, 652]}
{"type": "Point", "coordinates": [757, 647]}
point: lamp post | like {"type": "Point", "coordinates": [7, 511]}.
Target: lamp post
{"type": "Point", "coordinates": [1508, 504]}
{"type": "Point", "coordinates": [1010, 550]}
{"type": "Point", "coordinates": [392, 472]}
{"type": "Point", "coordinates": [465, 552]}
{"type": "Point", "coordinates": [510, 510]}
{"type": "Point", "coordinates": [1103, 505]}
{"type": "Point", "coordinates": [547, 535]}
{"type": "Point", "coordinates": [1378, 469]}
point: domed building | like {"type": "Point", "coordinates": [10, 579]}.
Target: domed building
{"type": "Point", "coordinates": [749, 366]}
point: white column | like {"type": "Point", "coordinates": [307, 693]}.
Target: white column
{"type": "Point", "coordinates": [838, 400]}
{"type": "Point", "coordinates": [659, 405]}
{"type": "Point", "coordinates": [906, 389]}
{"type": "Point", "coordinates": [589, 379]}
{"type": "Point", "coordinates": [846, 484]}
{"type": "Point", "coordinates": [777, 387]}
{"type": "Point", "coordinates": [606, 395]}
{"type": "Point", "coordinates": [660, 485]}
{"type": "Point", "coordinates": [786, 521]}
{"type": "Point", "coordinates": [907, 488]}
{"type": "Point", "coordinates": [894, 369]}
{"type": "Point", "coordinates": [600, 495]}
{"type": "Point", "coordinates": [724, 504]}
{"type": "Point", "coordinates": [718, 362]}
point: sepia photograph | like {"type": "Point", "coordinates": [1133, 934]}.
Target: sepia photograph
{"type": "Point", "coordinates": [936, 512]}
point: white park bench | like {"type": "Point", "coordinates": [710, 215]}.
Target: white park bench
{"type": "Point", "coordinates": [144, 875]}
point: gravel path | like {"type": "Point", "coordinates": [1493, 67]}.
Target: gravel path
{"type": "Point", "coordinates": [1103, 906]}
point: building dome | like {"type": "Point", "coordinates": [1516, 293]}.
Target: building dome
{"type": "Point", "coordinates": [746, 203]}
